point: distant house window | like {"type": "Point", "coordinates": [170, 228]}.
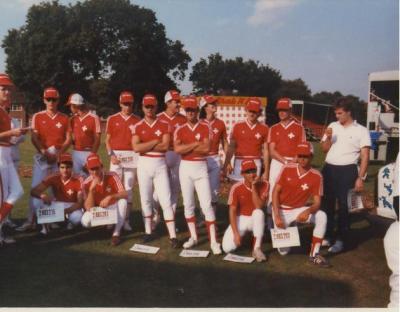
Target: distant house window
{"type": "Point", "coordinates": [16, 107]}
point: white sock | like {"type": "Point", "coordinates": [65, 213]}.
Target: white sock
{"type": "Point", "coordinates": [171, 229]}
{"type": "Point", "coordinates": [147, 225]}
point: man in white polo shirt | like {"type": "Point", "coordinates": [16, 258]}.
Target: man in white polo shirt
{"type": "Point", "coordinates": [345, 142]}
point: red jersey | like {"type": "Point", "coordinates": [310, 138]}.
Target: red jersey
{"type": "Point", "coordinates": [5, 125]}
{"type": "Point", "coordinates": [218, 130]}
{"type": "Point", "coordinates": [148, 132]}
{"type": "Point", "coordinates": [84, 130]}
{"type": "Point", "coordinates": [186, 134]}
{"type": "Point", "coordinates": [174, 122]}
{"type": "Point", "coordinates": [51, 130]}
{"type": "Point", "coordinates": [120, 127]}
{"type": "Point", "coordinates": [64, 191]}
{"type": "Point", "coordinates": [249, 139]}
{"type": "Point", "coordinates": [110, 184]}
{"type": "Point", "coordinates": [240, 196]}
{"type": "Point", "coordinates": [297, 189]}
{"type": "Point", "coordinates": [286, 138]}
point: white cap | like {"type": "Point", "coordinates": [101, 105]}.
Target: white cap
{"type": "Point", "coordinates": [76, 99]}
{"type": "Point", "coordinates": [172, 95]}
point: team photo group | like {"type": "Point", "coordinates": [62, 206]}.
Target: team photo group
{"type": "Point", "coordinates": [168, 155]}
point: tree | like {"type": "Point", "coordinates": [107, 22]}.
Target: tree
{"type": "Point", "coordinates": [107, 44]}
{"type": "Point", "coordinates": [295, 89]}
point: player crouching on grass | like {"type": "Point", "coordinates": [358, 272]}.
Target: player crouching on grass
{"type": "Point", "coordinates": [66, 189]}
{"type": "Point", "coordinates": [246, 200]}
{"type": "Point", "coordinates": [294, 186]}
{"type": "Point", "coordinates": [192, 142]}
{"type": "Point", "coordinates": [104, 189]}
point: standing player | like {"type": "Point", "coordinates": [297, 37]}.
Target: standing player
{"type": "Point", "coordinates": [246, 200]}
{"type": "Point", "coordinates": [50, 136]}
{"type": "Point", "coordinates": [123, 160]}
{"type": "Point", "coordinates": [192, 141]}
{"type": "Point", "coordinates": [66, 189]}
{"type": "Point", "coordinates": [103, 189]}
{"type": "Point", "coordinates": [208, 108]}
{"type": "Point", "coordinates": [295, 185]}
{"type": "Point", "coordinates": [172, 116]}
{"type": "Point", "coordinates": [10, 186]}
{"type": "Point", "coordinates": [85, 129]}
{"type": "Point", "coordinates": [248, 140]}
{"type": "Point", "coordinates": [345, 142]}
{"type": "Point", "coordinates": [151, 139]}
{"type": "Point", "coordinates": [283, 139]}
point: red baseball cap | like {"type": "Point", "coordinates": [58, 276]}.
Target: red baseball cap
{"type": "Point", "coordinates": [189, 102]}
{"type": "Point", "coordinates": [207, 99]}
{"type": "Point", "coordinates": [254, 104]}
{"type": "Point", "coordinates": [5, 80]}
{"type": "Point", "coordinates": [126, 97]}
{"type": "Point", "coordinates": [93, 161]}
{"type": "Point", "coordinates": [149, 99]}
{"type": "Point", "coordinates": [51, 93]}
{"type": "Point", "coordinates": [304, 148]}
{"type": "Point", "coordinates": [248, 165]}
{"type": "Point", "coordinates": [65, 157]}
{"type": "Point", "coordinates": [284, 104]}
{"type": "Point", "coordinates": [172, 95]}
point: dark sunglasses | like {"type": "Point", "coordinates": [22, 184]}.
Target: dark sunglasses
{"type": "Point", "coordinates": [127, 104]}
{"type": "Point", "coordinates": [94, 168]}
{"type": "Point", "coordinates": [190, 110]}
{"type": "Point", "coordinates": [51, 100]}
{"type": "Point", "coordinates": [149, 106]}
{"type": "Point", "coordinates": [254, 112]}
{"type": "Point", "coordinates": [250, 171]}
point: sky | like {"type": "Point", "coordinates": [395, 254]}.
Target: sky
{"type": "Point", "coordinates": [331, 44]}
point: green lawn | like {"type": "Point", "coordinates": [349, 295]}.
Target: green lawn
{"type": "Point", "coordinates": [80, 268]}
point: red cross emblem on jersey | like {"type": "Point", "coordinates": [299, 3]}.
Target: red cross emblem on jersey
{"type": "Point", "coordinates": [291, 135]}
{"type": "Point", "coordinates": [58, 125]}
{"type": "Point", "coordinates": [215, 130]}
{"type": "Point", "coordinates": [257, 135]}
{"type": "Point", "coordinates": [108, 189]}
{"type": "Point", "coordinates": [84, 128]}
{"type": "Point", "coordinates": [197, 136]}
{"type": "Point", "coordinates": [304, 187]}
{"type": "Point", "coordinates": [70, 192]}
{"type": "Point", "coordinates": [157, 133]}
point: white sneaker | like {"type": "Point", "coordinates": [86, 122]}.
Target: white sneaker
{"type": "Point", "coordinates": [259, 255]}
{"type": "Point", "coordinates": [216, 248]}
{"type": "Point", "coordinates": [127, 227]}
{"type": "Point", "coordinates": [336, 247]}
{"type": "Point", "coordinates": [326, 243]}
{"type": "Point", "coordinates": [284, 251]}
{"type": "Point", "coordinates": [189, 243]}
{"type": "Point", "coordinates": [26, 226]}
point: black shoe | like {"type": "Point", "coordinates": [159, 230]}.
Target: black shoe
{"type": "Point", "coordinates": [174, 243]}
{"type": "Point", "coordinates": [147, 238]}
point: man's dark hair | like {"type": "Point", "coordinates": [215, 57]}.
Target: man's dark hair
{"type": "Point", "coordinates": [345, 104]}
{"type": "Point", "coordinates": [68, 163]}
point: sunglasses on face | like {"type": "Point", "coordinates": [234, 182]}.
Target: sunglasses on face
{"type": "Point", "coordinates": [253, 112]}
{"type": "Point", "coordinates": [94, 168]}
{"type": "Point", "coordinates": [190, 110]}
{"type": "Point", "coordinates": [250, 171]}
{"type": "Point", "coordinates": [51, 100]}
{"type": "Point", "coordinates": [149, 106]}
{"type": "Point", "coordinates": [127, 104]}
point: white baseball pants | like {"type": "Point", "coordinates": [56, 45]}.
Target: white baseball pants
{"type": "Point", "coordinates": [121, 205]}
{"type": "Point", "coordinates": [319, 219]}
{"type": "Point", "coordinates": [11, 189]}
{"type": "Point", "coordinates": [254, 223]}
{"type": "Point", "coordinates": [214, 172]}
{"type": "Point", "coordinates": [236, 174]}
{"type": "Point", "coordinates": [38, 176]}
{"type": "Point", "coordinates": [79, 162]}
{"type": "Point", "coordinates": [193, 176]}
{"type": "Point", "coordinates": [153, 177]}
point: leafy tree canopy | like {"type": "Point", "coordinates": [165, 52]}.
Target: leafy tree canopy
{"type": "Point", "coordinates": [95, 47]}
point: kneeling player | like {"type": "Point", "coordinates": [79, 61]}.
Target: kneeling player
{"type": "Point", "coordinates": [246, 200]}
{"type": "Point", "coordinates": [66, 189]}
{"type": "Point", "coordinates": [104, 189]}
{"type": "Point", "coordinates": [294, 186]}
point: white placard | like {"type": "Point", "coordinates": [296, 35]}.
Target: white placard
{"type": "Point", "coordinates": [128, 159]}
{"type": "Point", "coordinates": [41, 161]}
{"type": "Point", "coordinates": [103, 216]}
{"type": "Point", "coordinates": [51, 213]}
{"type": "Point", "coordinates": [288, 237]}
{"type": "Point", "coordinates": [354, 201]}
{"type": "Point", "coordinates": [145, 249]}
{"type": "Point", "coordinates": [190, 253]}
{"type": "Point", "coordinates": [239, 259]}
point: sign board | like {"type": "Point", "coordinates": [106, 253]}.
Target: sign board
{"type": "Point", "coordinates": [128, 159]}
{"type": "Point", "coordinates": [103, 216]}
{"type": "Point", "coordinates": [145, 249]}
{"type": "Point", "coordinates": [288, 237]}
{"type": "Point", "coordinates": [189, 253]}
{"type": "Point", "coordinates": [238, 259]}
{"type": "Point", "coordinates": [354, 201]}
{"type": "Point", "coordinates": [51, 213]}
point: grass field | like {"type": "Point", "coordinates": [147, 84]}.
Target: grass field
{"type": "Point", "coordinates": [81, 269]}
